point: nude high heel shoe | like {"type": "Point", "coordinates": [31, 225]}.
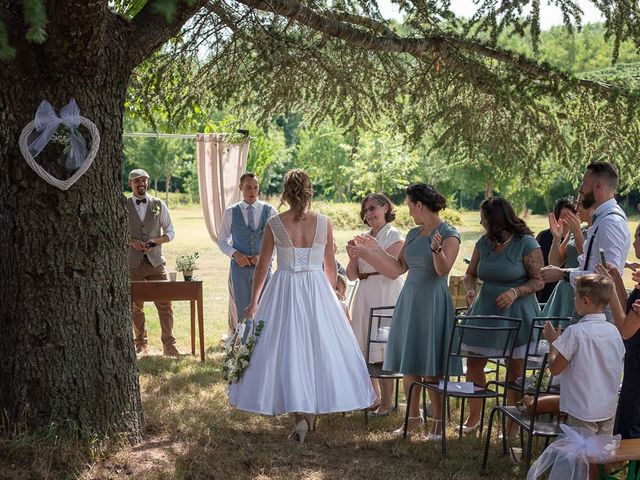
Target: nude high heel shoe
{"type": "Point", "coordinates": [434, 435]}
{"type": "Point", "coordinates": [300, 431]}
{"type": "Point", "coordinates": [311, 421]}
{"type": "Point", "coordinates": [399, 432]}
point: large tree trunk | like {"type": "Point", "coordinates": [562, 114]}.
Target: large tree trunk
{"type": "Point", "coordinates": [65, 318]}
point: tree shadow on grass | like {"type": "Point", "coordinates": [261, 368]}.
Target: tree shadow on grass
{"type": "Point", "coordinates": [197, 435]}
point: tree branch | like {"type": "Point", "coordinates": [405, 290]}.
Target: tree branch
{"type": "Point", "coordinates": [150, 29]}
{"type": "Point", "coordinates": [441, 45]}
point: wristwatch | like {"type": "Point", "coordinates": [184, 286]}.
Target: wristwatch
{"type": "Point", "coordinates": [566, 275]}
{"type": "Point", "coordinates": [437, 250]}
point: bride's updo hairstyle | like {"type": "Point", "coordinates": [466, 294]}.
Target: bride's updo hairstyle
{"type": "Point", "coordinates": [297, 192]}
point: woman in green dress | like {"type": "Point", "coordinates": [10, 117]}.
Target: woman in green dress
{"type": "Point", "coordinates": [508, 260]}
{"type": "Point", "coordinates": [568, 240]}
{"type": "Point", "coordinates": [424, 313]}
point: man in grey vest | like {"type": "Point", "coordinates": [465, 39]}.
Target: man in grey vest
{"type": "Point", "coordinates": [149, 227]}
{"type": "Point", "coordinates": [240, 238]}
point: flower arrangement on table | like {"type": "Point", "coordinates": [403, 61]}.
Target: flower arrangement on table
{"type": "Point", "coordinates": [238, 356]}
{"type": "Point", "coordinates": [186, 264]}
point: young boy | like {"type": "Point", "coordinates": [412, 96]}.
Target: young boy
{"type": "Point", "coordinates": [590, 355]}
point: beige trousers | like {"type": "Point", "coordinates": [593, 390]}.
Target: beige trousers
{"type": "Point", "coordinates": [146, 271]}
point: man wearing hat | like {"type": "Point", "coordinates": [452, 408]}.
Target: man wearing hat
{"type": "Point", "coordinates": [149, 227]}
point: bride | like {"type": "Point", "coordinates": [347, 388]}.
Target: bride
{"type": "Point", "coordinates": [307, 360]}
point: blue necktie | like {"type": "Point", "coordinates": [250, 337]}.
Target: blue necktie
{"type": "Point", "coordinates": [250, 220]}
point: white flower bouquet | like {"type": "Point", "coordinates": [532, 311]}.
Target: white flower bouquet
{"type": "Point", "coordinates": [238, 356]}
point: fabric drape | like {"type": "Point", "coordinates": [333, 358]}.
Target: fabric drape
{"type": "Point", "coordinates": [220, 165]}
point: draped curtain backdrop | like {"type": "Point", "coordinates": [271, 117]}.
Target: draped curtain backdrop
{"type": "Point", "coordinates": [220, 165]}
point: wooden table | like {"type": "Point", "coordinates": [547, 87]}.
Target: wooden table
{"type": "Point", "coordinates": [628, 451]}
{"type": "Point", "coordinates": [165, 291]}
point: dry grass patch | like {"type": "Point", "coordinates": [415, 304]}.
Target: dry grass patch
{"type": "Point", "coordinates": [193, 434]}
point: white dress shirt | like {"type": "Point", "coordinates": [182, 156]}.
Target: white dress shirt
{"type": "Point", "coordinates": [165, 218]}
{"type": "Point", "coordinates": [590, 382]}
{"type": "Point", "coordinates": [225, 242]}
{"type": "Point", "coordinates": [613, 237]}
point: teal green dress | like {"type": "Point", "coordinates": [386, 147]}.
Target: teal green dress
{"type": "Point", "coordinates": [499, 272]}
{"type": "Point", "coordinates": [424, 314]}
{"type": "Point", "coordinates": [561, 301]}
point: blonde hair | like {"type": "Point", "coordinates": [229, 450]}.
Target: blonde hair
{"type": "Point", "coordinates": [297, 192]}
{"type": "Point", "coordinates": [596, 288]}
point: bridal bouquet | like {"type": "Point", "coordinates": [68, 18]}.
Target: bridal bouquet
{"type": "Point", "coordinates": [238, 355]}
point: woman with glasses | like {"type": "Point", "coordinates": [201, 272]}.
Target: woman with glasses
{"type": "Point", "coordinates": [568, 241]}
{"type": "Point", "coordinates": [424, 313]}
{"type": "Point", "coordinates": [375, 289]}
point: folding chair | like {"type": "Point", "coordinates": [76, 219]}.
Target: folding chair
{"type": "Point", "coordinates": [534, 424]}
{"type": "Point", "coordinates": [464, 328]}
{"type": "Point", "coordinates": [379, 321]}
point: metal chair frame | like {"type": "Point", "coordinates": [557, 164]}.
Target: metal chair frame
{"type": "Point", "coordinates": [455, 350]}
{"type": "Point", "coordinates": [375, 369]}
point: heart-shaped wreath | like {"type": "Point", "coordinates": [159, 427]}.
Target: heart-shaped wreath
{"type": "Point", "coordinates": [45, 125]}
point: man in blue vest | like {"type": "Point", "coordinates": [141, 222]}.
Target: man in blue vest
{"type": "Point", "coordinates": [240, 239]}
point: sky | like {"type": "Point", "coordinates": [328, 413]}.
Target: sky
{"type": "Point", "coordinates": [549, 15]}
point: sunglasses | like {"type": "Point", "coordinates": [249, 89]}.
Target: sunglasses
{"type": "Point", "coordinates": [371, 209]}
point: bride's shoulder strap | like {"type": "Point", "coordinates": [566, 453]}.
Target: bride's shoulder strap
{"type": "Point", "coordinates": [321, 230]}
{"type": "Point", "coordinates": [279, 233]}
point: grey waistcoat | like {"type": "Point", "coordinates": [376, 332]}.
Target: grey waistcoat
{"type": "Point", "coordinates": [145, 230]}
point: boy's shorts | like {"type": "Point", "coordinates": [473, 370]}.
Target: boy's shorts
{"type": "Point", "coordinates": [604, 427]}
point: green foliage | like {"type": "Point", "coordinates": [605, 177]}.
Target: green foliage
{"type": "Point", "coordinates": [162, 158]}
{"type": "Point", "coordinates": [6, 50]}
{"type": "Point", "coordinates": [346, 216]}
{"type": "Point", "coordinates": [326, 154]}
{"type": "Point", "coordinates": [36, 17]}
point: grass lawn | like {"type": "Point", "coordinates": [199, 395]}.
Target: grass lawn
{"type": "Point", "coordinates": [193, 434]}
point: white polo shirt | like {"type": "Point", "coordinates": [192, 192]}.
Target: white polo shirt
{"type": "Point", "coordinates": [590, 383]}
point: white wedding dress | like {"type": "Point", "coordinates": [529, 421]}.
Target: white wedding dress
{"type": "Point", "coordinates": [307, 359]}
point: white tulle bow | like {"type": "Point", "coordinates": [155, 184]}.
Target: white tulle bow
{"type": "Point", "coordinates": [570, 454]}
{"type": "Point", "coordinates": [46, 124]}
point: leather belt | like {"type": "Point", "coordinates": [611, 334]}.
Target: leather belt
{"type": "Point", "coordinates": [364, 276]}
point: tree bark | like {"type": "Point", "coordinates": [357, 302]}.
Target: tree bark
{"type": "Point", "coordinates": [65, 316]}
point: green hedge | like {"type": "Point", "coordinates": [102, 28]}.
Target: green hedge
{"type": "Point", "coordinates": [344, 216]}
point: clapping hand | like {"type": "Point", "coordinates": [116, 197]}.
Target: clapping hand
{"type": "Point", "coordinates": [571, 220]}
{"type": "Point", "coordinates": [635, 276]}
{"type": "Point", "coordinates": [352, 250]}
{"type": "Point", "coordinates": [632, 265]}
{"type": "Point", "coordinates": [363, 244]}
{"type": "Point", "coordinates": [436, 241]}
{"type": "Point", "coordinates": [550, 333]}
{"type": "Point", "coordinates": [555, 225]}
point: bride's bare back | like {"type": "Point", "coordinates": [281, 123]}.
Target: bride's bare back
{"type": "Point", "coordinates": [301, 232]}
